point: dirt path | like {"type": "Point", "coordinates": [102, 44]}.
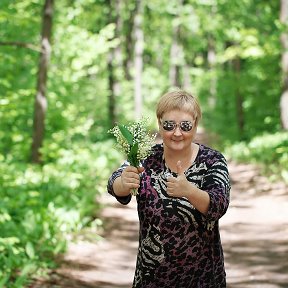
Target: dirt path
{"type": "Point", "coordinates": [255, 231]}
{"type": "Point", "coordinates": [254, 235]}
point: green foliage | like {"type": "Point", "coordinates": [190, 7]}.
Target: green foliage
{"type": "Point", "coordinates": [246, 48]}
{"type": "Point", "coordinates": [41, 206]}
{"type": "Point", "coordinates": [268, 150]}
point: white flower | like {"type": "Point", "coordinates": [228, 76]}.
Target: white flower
{"type": "Point", "coordinates": [134, 141]}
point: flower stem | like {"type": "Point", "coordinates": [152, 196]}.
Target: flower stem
{"type": "Point", "coordinates": [134, 192]}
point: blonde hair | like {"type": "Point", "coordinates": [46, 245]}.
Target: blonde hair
{"type": "Point", "coordinates": [179, 100]}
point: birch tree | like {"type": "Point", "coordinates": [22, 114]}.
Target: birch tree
{"type": "Point", "coordinates": [138, 61]}
{"type": "Point", "coordinates": [284, 42]}
{"type": "Point", "coordinates": [114, 59]}
{"type": "Point", "coordinates": [40, 99]}
{"type": "Point", "coordinates": [176, 52]}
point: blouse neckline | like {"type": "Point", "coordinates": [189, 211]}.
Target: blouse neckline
{"type": "Point", "coordinates": [169, 171]}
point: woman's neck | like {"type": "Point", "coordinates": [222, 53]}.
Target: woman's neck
{"type": "Point", "coordinates": [186, 157]}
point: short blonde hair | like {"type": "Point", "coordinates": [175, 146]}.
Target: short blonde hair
{"type": "Point", "coordinates": [179, 100]}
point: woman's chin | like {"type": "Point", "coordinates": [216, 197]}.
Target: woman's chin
{"type": "Point", "coordinates": [176, 145]}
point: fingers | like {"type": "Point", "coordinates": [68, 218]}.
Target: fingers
{"type": "Point", "coordinates": [140, 169]}
{"type": "Point", "coordinates": [130, 177]}
{"type": "Point", "coordinates": [171, 179]}
{"type": "Point", "coordinates": [180, 170]}
{"type": "Point", "coordinates": [171, 185]}
{"type": "Point", "coordinates": [175, 185]}
{"type": "Point", "coordinates": [134, 169]}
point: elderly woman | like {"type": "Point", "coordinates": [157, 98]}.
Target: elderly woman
{"type": "Point", "coordinates": [183, 190]}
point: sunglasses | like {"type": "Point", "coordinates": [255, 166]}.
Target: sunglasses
{"type": "Point", "coordinates": [170, 125]}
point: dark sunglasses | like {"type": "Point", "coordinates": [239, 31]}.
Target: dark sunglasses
{"type": "Point", "coordinates": [170, 125]}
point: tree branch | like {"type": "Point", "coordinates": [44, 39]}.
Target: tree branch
{"type": "Point", "coordinates": [21, 44]}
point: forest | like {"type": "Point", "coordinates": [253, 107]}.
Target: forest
{"type": "Point", "coordinates": [70, 70]}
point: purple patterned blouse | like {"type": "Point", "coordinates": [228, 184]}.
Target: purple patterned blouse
{"type": "Point", "coordinates": [178, 246]}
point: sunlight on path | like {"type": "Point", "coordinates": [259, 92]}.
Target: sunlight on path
{"type": "Point", "coordinates": [255, 231]}
{"type": "Point", "coordinates": [110, 262]}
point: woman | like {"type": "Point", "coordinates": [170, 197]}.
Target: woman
{"type": "Point", "coordinates": [183, 191]}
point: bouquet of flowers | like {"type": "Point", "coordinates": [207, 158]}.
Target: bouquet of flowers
{"type": "Point", "coordinates": [134, 141]}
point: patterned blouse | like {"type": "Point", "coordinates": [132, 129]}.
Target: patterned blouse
{"type": "Point", "coordinates": [178, 246]}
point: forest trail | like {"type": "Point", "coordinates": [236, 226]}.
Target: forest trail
{"type": "Point", "coordinates": [254, 234]}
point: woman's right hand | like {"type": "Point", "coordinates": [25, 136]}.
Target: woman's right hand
{"type": "Point", "coordinates": [130, 178]}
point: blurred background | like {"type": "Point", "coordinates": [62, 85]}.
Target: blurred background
{"type": "Point", "coordinates": [70, 70]}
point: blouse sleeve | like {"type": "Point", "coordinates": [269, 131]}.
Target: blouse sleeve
{"type": "Point", "coordinates": [217, 184]}
{"type": "Point", "coordinates": [122, 199]}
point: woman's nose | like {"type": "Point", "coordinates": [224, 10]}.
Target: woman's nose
{"type": "Point", "coordinates": [177, 131]}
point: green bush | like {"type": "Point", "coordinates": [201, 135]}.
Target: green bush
{"type": "Point", "coordinates": [268, 150]}
{"type": "Point", "coordinates": [41, 205]}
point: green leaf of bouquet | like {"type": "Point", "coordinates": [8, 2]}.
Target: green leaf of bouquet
{"type": "Point", "coordinates": [133, 155]}
{"type": "Point", "coordinates": [126, 133]}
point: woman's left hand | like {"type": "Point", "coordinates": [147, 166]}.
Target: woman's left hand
{"type": "Point", "coordinates": [178, 186]}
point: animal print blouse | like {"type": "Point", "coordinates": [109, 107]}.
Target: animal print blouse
{"type": "Point", "coordinates": [178, 246]}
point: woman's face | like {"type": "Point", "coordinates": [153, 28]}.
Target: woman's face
{"type": "Point", "coordinates": [177, 139]}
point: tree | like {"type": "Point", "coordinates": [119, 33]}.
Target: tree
{"type": "Point", "coordinates": [20, 45]}
{"type": "Point", "coordinates": [114, 58]}
{"type": "Point", "coordinates": [176, 52]}
{"type": "Point", "coordinates": [284, 41]}
{"type": "Point", "coordinates": [239, 97]}
{"type": "Point", "coordinates": [40, 105]}
{"type": "Point", "coordinates": [138, 61]}
{"type": "Point", "coordinates": [128, 27]}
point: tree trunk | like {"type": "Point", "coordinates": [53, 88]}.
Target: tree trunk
{"type": "Point", "coordinates": [128, 45]}
{"type": "Point", "coordinates": [187, 85]}
{"type": "Point", "coordinates": [284, 41]}
{"type": "Point", "coordinates": [211, 58]}
{"type": "Point", "coordinates": [40, 99]}
{"type": "Point", "coordinates": [239, 98]}
{"type": "Point", "coordinates": [20, 45]}
{"type": "Point", "coordinates": [176, 54]}
{"type": "Point", "coordinates": [111, 96]}
{"type": "Point", "coordinates": [114, 60]}
{"type": "Point", "coordinates": [138, 64]}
